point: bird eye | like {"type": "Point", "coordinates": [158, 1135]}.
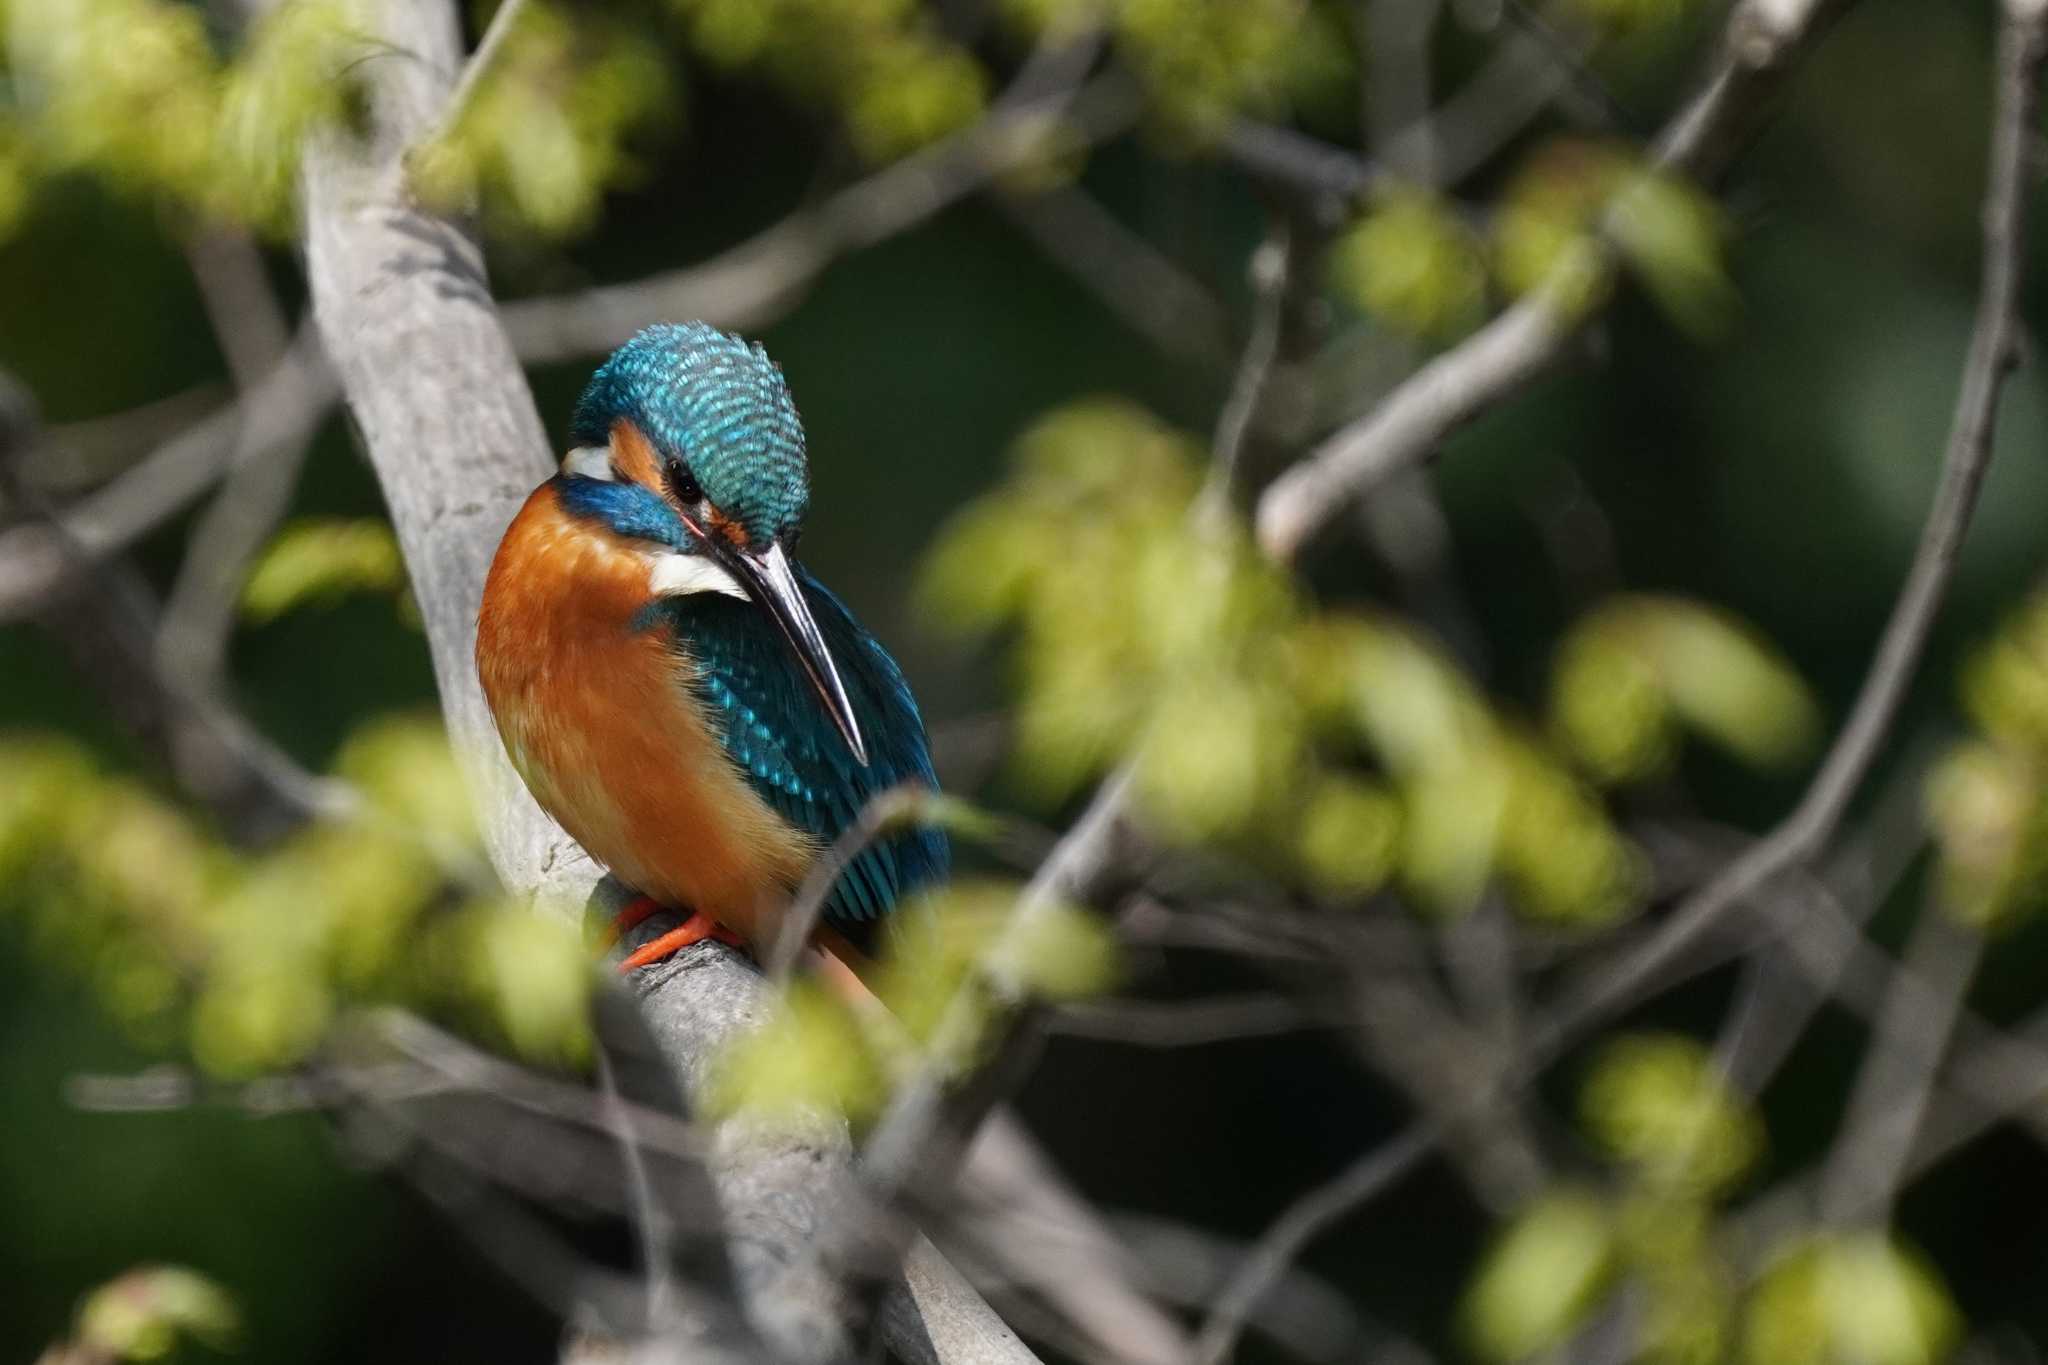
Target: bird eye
{"type": "Point", "coordinates": [683, 484]}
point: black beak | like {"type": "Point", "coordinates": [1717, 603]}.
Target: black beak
{"type": "Point", "coordinates": [771, 582]}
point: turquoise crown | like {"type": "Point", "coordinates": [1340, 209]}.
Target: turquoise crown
{"type": "Point", "coordinates": [717, 403]}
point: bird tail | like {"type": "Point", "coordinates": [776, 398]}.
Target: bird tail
{"type": "Point", "coordinates": [844, 969]}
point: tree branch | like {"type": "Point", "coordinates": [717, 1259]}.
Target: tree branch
{"type": "Point", "coordinates": [1763, 39]}
{"type": "Point", "coordinates": [445, 416]}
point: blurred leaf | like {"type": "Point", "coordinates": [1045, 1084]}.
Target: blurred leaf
{"type": "Point", "coordinates": [1571, 194]}
{"type": "Point", "coordinates": [259, 1014]}
{"type": "Point", "coordinates": [911, 92]}
{"type": "Point", "coordinates": [1412, 264]}
{"type": "Point", "coordinates": [320, 562]}
{"type": "Point", "coordinates": [291, 78]}
{"type": "Point", "coordinates": [1850, 1299]}
{"type": "Point", "coordinates": [1543, 237]}
{"type": "Point", "coordinates": [891, 72]}
{"type": "Point", "coordinates": [808, 1059]}
{"type": "Point", "coordinates": [2005, 682]}
{"type": "Point", "coordinates": [143, 1314]}
{"type": "Point", "coordinates": [1671, 234]}
{"type": "Point", "coordinates": [943, 938]}
{"type": "Point", "coordinates": [1220, 750]}
{"type": "Point", "coordinates": [1986, 809]}
{"type": "Point", "coordinates": [403, 763]}
{"type": "Point", "coordinates": [1657, 1103]}
{"type": "Point", "coordinates": [1348, 836]}
{"type": "Point", "coordinates": [1205, 60]}
{"type": "Point", "coordinates": [545, 133]}
{"type": "Point", "coordinates": [523, 974]}
{"type": "Point", "coordinates": [1543, 1274]}
{"type": "Point", "coordinates": [126, 88]}
{"type": "Point", "coordinates": [1636, 667]}
{"type": "Point", "coordinates": [1561, 855]}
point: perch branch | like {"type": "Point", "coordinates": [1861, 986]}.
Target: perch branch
{"type": "Point", "coordinates": [444, 413]}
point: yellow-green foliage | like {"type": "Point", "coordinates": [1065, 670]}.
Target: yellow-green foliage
{"type": "Point", "coordinates": [1136, 631]}
{"type": "Point", "coordinates": [1569, 195]}
{"type": "Point", "coordinates": [1204, 60]}
{"type": "Point", "coordinates": [143, 1314]}
{"type": "Point", "coordinates": [543, 135]}
{"type": "Point", "coordinates": [1656, 1103]}
{"type": "Point", "coordinates": [1637, 670]}
{"type": "Point", "coordinates": [1542, 1275]}
{"type": "Point", "coordinates": [1411, 263]}
{"type": "Point", "coordinates": [809, 1058]}
{"type": "Point", "coordinates": [252, 958]}
{"type": "Point", "coordinates": [129, 89]}
{"type": "Point", "coordinates": [290, 79]}
{"type": "Point", "coordinates": [132, 91]}
{"type": "Point", "coordinates": [1850, 1299]}
{"type": "Point", "coordinates": [942, 953]}
{"type": "Point", "coordinates": [1987, 800]}
{"type": "Point", "coordinates": [882, 64]}
{"type": "Point", "coordinates": [1680, 1140]}
{"type": "Point", "coordinates": [322, 561]}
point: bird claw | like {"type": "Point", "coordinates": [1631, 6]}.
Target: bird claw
{"type": "Point", "coordinates": [695, 929]}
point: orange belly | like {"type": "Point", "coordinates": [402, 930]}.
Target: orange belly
{"type": "Point", "coordinates": [599, 721]}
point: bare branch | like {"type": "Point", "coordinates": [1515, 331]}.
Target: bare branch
{"type": "Point", "coordinates": [448, 423]}
{"type": "Point", "coordinates": [1992, 356]}
{"type": "Point", "coordinates": [762, 277]}
{"type": "Point", "coordinates": [460, 98]}
{"type": "Point", "coordinates": [34, 559]}
{"type": "Point", "coordinates": [254, 335]}
{"type": "Point", "coordinates": [1530, 336]}
{"type": "Point", "coordinates": [1131, 276]}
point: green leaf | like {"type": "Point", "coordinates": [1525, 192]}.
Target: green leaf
{"type": "Point", "coordinates": [1850, 1299]}
{"type": "Point", "coordinates": [1657, 1103]}
{"type": "Point", "coordinates": [1412, 264]}
{"type": "Point", "coordinates": [1540, 1278]}
{"type": "Point", "coordinates": [143, 1314]}
{"type": "Point", "coordinates": [320, 562]}
{"type": "Point", "coordinates": [807, 1060]}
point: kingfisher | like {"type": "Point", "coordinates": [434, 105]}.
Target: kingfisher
{"type": "Point", "coordinates": [676, 690]}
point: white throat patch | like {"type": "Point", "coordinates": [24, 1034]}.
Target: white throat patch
{"type": "Point", "coordinates": [684, 575]}
{"type": "Point", "coordinates": [592, 462]}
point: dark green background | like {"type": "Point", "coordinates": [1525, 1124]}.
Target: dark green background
{"type": "Point", "coordinates": [1781, 472]}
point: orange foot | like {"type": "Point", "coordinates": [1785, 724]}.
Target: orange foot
{"type": "Point", "coordinates": [695, 929]}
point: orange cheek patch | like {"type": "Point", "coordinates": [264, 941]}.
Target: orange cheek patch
{"type": "Point", "coordinates": [725, 528]}
{"type": "Point", "coordinates": [633, 453]}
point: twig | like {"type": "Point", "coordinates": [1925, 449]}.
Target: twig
{"type": "Point", "coordinates": [1182, 1023]}
{"type": "Point", "coordinates": [760, 278]}
{"type": "Point", "coordinates": [1908, 1040]}
{"type": "Point", "coordinates": [1992, 356]}
{"type": "Point", "coordinates": [1133, 278]}
{"type": "Point", "coordinates": [1529, 337]}
{"type": "Point", "coordinates": [402, 302]}
{"type": "Point", "coordinates": [459, 99]}
{"type": "Point", "coordinates": [1268, 1260]}
{"type": "Point", "coordinates": [882, 813]}
{"type": "Point", "coordinates": [1396, 37]}
{"type": "Point", "coordinates": [35, 559]}
{"type": "Point", "coordinates": [1806, 830]}
{"type": "Point", "coordinates": [106, 621]}
{"type": "Point", "coordinates": [199, 612]}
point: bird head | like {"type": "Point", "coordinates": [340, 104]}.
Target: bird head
{"type": "Point", "coordinates": [688, 443]}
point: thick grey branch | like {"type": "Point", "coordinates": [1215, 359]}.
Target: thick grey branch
{"type": "Point", "coordinates": [444, 413]}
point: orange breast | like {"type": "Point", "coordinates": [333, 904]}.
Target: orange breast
{"type": "Point", "coordinates": [599, 721]}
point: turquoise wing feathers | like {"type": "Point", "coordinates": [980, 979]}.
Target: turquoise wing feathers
{"type": "Point", "coordinates": [774, 729]}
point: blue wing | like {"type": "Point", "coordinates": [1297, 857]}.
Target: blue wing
{"type": "Point", "coordinates": [777, 731]}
